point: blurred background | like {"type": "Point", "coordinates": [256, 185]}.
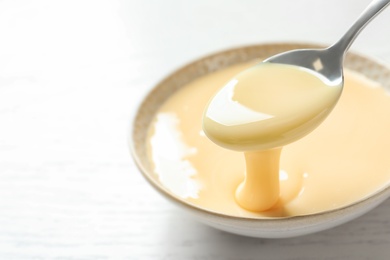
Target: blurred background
{"type": "Point", "coordinates": [71, 75]}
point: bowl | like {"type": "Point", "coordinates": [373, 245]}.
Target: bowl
{"type": "Point", "coordinates": [262, 228]}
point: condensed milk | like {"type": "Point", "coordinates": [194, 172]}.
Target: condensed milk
{"type": "Point", "coordinates": [267, 106]}
{"type": "Point", "coordinates": [260, 110]}
{"type": "Point", "coordinates": [340, 162]}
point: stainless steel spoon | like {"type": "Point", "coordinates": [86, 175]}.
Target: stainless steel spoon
{"type": "Point", "coordinates": [328, 63]}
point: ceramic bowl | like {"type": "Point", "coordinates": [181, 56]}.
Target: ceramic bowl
{"type": "Point", "coordinates": [265, 228]}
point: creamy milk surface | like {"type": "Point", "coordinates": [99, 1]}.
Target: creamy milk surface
{"type": "Point", "coordinates": [341, 162]}
{"type": "Point", "coordinates": [267, 106]}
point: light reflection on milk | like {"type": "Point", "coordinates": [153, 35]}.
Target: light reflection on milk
{"type": "Point", "coordinates": [224, 106]}
{"type": "Point", "coordinates": [169, 156]}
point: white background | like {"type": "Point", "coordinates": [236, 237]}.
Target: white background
{"type": "Point", "coordinates": [71, 74]}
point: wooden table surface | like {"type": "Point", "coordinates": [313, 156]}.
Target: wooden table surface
{"type": "Point", "coordinates": [71, 74]}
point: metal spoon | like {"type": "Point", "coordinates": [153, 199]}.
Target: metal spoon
{"type": "Point", "coordinates": [328, 63]}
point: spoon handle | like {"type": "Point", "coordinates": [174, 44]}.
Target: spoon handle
{"type": "Point", "coordinates": [372, 10]}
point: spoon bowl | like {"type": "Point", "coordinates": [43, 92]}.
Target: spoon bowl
{"type": "Point", "coordinates": [326, 63]}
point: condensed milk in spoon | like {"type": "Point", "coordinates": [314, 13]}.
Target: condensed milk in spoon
{"type": "Point", "coordinates": [274, 103]}
{"type": "Point", "coordinates": [260, 110]}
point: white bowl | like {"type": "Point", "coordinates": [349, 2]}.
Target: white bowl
{"type": "Point", "coordinates": [265, 228]}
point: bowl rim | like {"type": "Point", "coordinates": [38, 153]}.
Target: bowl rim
{"type": "Point", "coordinates": [374, 199]}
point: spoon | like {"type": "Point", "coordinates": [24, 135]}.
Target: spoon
{"type": "Point", "coordinates": [328, 63]}
{"type": "Point", "coordinates": [283, 98]}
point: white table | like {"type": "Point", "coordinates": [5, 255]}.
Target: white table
{"type": "Point", "coordinates": [72, 72]}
